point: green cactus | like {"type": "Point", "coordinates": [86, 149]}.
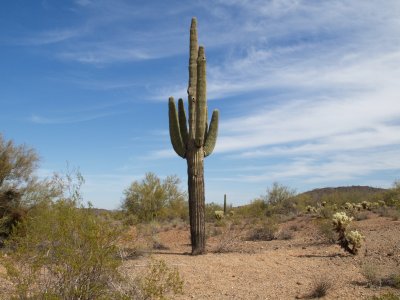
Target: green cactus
{"type": "Point", "coordinates": [224, 204]}
{"type": "Point", "coordinates": [196, 142]}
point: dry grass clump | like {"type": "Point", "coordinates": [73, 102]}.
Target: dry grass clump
{"type": "Point", "coordinates": [320, 288]}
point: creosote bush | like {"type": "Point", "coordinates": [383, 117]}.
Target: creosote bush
{"type": "Point", "coordinates": [161, 281]}
{"type": "Point", "coordinates": [266, 231]}
{"type": "Point", "coordinates": [63, 252]}
{"type": "Point", "coordinates": [153, 199]}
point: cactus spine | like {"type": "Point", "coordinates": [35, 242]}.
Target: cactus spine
{"type": "Point", "coordinates": [197, 142]}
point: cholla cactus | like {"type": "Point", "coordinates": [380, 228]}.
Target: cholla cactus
{"type": "Point", "coordinates": [348, 206]}
{"type": "Point", "coordinates": [311, 209]}
{"type": "Point", "coordinates": [365, 205]}
{"type": "Point", "coordinates": [219, 214]}
{"type": "Point", "coordinates": [374, 205]}
{"type": "Point", "coordinates": [354, 239]}
{"type": "Point", "coordinates": [349, 241]}
{"type": "Point", "coordinates": [340, 220]}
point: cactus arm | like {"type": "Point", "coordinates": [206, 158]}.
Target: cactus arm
{"type": "Point", "coordinates": [193, 52]}
{"type": "Point", "coordinates": [182, 122]}
{"type": "Point", "coordinates": [174, 131]}
{"type": "Point", "coordinates": [212, 134]}
{"type": "Point", "coordinates": [201, 101]}
{"type": "Point", "coordinates": [206, 130]}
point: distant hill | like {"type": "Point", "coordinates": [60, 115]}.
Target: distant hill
{"type": "Point", "coordinates": [356, 192]}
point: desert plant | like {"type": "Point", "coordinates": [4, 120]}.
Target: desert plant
{"type": "Point", "coordinates": [325, 229]}
{"type": "Point", "coordinates": [386, 296]}
{"type": "Point", "coordinates": [219, 214]}
{"type": "Point", "coordinates": [280, 200]}
{"type": "Point", "coordinates": [161, 281]}
{"type": "Point", "coordinates": [210, 210]}
{"type": "Point", "coordinates": [320, 288]}
{"type": "Point", "coordinates": [155, 199]}
{"type": "Point", "coordinates": [371, 273]}
{"type": "Point", "coordinates": [19, 187]}
{"type": "Point", "coordinates": [349, 241]}
{"type": "Point", "coordinates": [285, 234]}
{"type": "Point", "coordinates": [196, 143]}
{"type": "Point", "coordinates": [264, 232]}
{"type": "Point", "coordinates": [225, 204]}
{"type": "Point", "coordinates": [63, 252]}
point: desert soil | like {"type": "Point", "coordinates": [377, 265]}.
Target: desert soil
{"type": "Point", "coordinates": [280, 269]}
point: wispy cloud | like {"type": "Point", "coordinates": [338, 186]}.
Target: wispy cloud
{"type": "Point", "coordinates": [37, 119]}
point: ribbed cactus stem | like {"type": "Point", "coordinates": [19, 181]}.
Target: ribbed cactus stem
{"type": "Point", "coordinates": [193, 52]}
{"type": "Point", "coordinates": [174, 129]}
{"type": "Point", "coordinates": [224, 204]}
{"type": "Point", "coordinates": [201, 104]}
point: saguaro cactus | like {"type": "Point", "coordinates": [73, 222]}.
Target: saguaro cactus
{"type": "Point", "coordinates": [196, 143]}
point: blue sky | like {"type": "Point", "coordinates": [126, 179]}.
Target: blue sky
{"type": "Point", "coordinates": [308, 91]}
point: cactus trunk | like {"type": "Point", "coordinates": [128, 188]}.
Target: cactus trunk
{"type": "Point", "coordinates": [195, 163]}
{"type": "Point", "coordinates": [196, 143]}
{"type": "Point", "coordinates": [224, 204]}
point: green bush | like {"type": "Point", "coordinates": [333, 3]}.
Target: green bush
{"type": "Point", "coordinates": [266, 231]}
{"type": "Point", "coordinates": [19, 187]}
{"type": "Point", "coordinates": [152, 199]}
{"type": "Point", "coordinates": [161, 281]}
{"type": "Point", "coordinates": [63, 252]}
{"type": "Point", "coordinates": [210, 210]}
{"type": "Point", "coordinates": [325, 229]}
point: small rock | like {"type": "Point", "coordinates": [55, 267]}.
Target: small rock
{"type": "Point", "coordinates": [298, 283]}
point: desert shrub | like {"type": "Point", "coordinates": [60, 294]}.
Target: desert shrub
{"type": "Point", "coordinates": [372, 274]}
{"type": "Point", "coordinates": [388, 212]}
{"type": "Point", "coordinates": [285, 234]}
{"type": "Point", "coordinates": [266, 231]}
{"type": "Point", "coordinates": [320, 288]}
{"type": "Point", "coordinates": [386, 296]}
{"type": "Point", "coordinates": [348, 240]}
{"type": "Point", "coordinates": [363, 215]}
{"type": "Point", "coordinates": [153, 199]}
{"type": "Point", "coordinates": [326, 212]}
{"type": "Point", "coordinates": [19, 187]}
{"type": "Point", "coordinates": [325, 229]}
{"type": "Point", "coordinates": [161, 281]}
{"type": "Point", "coordinates": [280, 199]}
{"type": "Point", "coordinates": [255, 209]}
{"type": "Point", "coordinates": [62, 251]}
{"type": "Point", "coordinates": [392, 196]}
{"type": "Point", "coordinates": [210, 210]}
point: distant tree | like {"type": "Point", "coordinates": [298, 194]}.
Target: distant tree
{"type": "Point", "coordinates": [280, 199]}
{"type": "Point", "coordinates": [278, 193]}
{"type": "Point", "coordinates": [152, 199]}
{"type": "Point", "coordinates": [17, 164]}
{"type": "Point", "coordinates": [19, 187]}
